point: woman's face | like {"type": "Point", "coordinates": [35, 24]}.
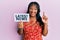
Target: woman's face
{"type": "Point", "coordinates": [33, 11]}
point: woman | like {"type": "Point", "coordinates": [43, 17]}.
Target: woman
{"type": "Point", "coordinates": [37, 25]}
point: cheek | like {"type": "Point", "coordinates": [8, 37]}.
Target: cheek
{"type": "Point", "coordinates": [35, 11]}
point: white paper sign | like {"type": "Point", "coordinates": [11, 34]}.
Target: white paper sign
{"type": "Point", "coordinates": [24, 17]}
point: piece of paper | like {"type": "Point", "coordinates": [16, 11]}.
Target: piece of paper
{"type": "Point", "coordinates": [24, 17]}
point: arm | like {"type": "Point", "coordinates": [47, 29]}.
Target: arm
{"type": "Point", "coordinates": [45, 31]}
{"type": "Point", "coordinates": [45, 21]}
{"type": "Point", "coordinates": [20, 28]}
{"type": "Point", "coordinates": [20, 31]}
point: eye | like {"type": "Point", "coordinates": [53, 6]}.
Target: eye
{"type": "Point", "coordinates": [35, 9]}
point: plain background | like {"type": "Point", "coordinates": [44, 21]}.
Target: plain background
{"type": "Point", "coordinates": [8, 28]}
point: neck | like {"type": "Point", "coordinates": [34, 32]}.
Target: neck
{"type": "Point", "coordinates": [33, 18]}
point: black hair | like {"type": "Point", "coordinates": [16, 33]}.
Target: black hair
{"type": "Point", "coordinates": [38, 17]}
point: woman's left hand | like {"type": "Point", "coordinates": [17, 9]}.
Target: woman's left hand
{"type": "Point", "coordinates": [45, 18]}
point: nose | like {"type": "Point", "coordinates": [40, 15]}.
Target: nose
{"type": "Point", "coordinates": [33, 11]}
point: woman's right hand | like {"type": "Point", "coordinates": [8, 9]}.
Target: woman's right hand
{"type": "Point", "coordinates": [20, 28]}
{"type": "Point", "coordinates": [20, 24]}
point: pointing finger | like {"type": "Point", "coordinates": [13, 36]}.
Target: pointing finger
{"type": "Point", "coordinates": [43, 13]}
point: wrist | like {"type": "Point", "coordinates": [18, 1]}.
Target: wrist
{"type": "Point", "coordinates": [46, 24]}
{"type": "Point", "coordinates": [20, 31]}
{"type": "Point", "coordinates": [20, 28]}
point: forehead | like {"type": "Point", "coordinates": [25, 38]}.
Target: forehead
{"type": "Point", "coordinates": [33, 6]}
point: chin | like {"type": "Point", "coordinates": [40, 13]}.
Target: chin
{"type": "Point", "coordinates": [32, 15]}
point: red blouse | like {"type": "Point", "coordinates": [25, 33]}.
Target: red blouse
{"type": "Point", "coordinates": [32, 31]}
